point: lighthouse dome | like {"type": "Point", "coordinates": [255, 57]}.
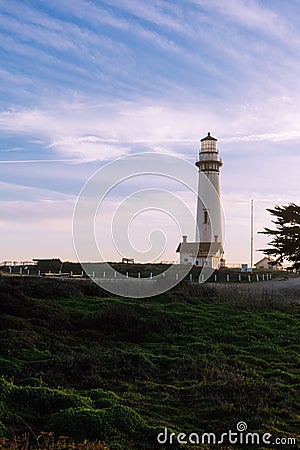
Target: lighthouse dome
{"type": "Point", "coordinates": [208, 138]}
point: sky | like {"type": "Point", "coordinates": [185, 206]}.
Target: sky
{"type": "Point", "coordinates": [83, 83]}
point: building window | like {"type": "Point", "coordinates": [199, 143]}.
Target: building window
{"type": "Point", "coordinates": [205, 217]}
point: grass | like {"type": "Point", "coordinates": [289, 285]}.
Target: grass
{"type": "Point", "coordinates": [192, 360]}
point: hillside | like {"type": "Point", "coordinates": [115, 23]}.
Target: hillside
{"type": "Point", "coordinates": [79, 363]}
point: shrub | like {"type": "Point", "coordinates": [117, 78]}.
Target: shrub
{"type": "Point", "coordinates": [45, 401]}
{"type": "Point", "coordinates": [103, 399]}
{"type": "Point", "coordinates": [45, 288]}
{"type": "Point", "coordinates": [38, 312]}
{"type": "Point", "coordinates": [15, 323]}
{"type": "Point", "coordinates": [124, 419]}
{"type": "Point", "coordinates": [8, 368]}
{"type": "Point", "coordinates": [47, 441]}
{"type": "Point", "coordinates": [3, 430]}
{"type": "Point", "coordinates": [5, 388]}
{"type": "Point", "coordinates": [107, 424]}
{"type": "Point", "coordinates": [82, 423]}
{"type": "Point", "coordinates": [116, 317]}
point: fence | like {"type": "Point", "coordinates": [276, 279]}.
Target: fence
{"type": "Point", "coordinates": [219, 277]}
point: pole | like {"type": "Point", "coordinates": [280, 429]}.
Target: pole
{"type": "Point", "coordinates": [251, 239]}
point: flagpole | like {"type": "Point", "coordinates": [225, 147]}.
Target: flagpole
{"type": "Point", "coordinates": [251, 235]}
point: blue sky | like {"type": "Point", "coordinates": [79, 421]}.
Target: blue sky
{"type": "Point", "coordinates": [84, 82]}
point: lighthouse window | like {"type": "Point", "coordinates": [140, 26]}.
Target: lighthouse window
{"type": "Point", "coordinates": [205, 217]}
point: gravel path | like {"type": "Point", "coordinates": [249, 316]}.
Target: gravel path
{"type": "Point", "coordinates": [284, 288]}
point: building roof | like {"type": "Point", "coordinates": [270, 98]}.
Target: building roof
{"type": "Point", "coordinates": [265, 259]}
{"type": "Point", "coordinates": [200, 248]}
{"type": "Point", "coordinates": [209, 138]}
{"type": "Point", "coordinates": [47, 260]}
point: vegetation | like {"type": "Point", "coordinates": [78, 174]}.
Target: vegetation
{"type": "Point", "coordinates": [286, 238]}
{"type": "Point", "coordinates": [80, 369]}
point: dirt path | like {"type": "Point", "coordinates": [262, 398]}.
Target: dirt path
{"type": "Point", "coordinates": [284, 288]}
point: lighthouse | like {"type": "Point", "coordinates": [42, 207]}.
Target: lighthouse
{"type": "Point", "coordinates": [207, 250]}
{"type": "Point", "coordinates": [209, 165]}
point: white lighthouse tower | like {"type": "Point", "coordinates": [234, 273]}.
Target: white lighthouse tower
{"type": "Point", "coordinates": [209, 165]}
{"type": "Point", "coordinates": [207, 250]}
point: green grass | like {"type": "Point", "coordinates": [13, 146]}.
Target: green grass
{"type": "Point", "coordinates": [188, 360]}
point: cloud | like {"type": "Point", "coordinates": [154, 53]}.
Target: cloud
{"type": "Point", "coordinates": [86, 82]}
{"type": "Point", "coordinates": [270, 137]}
{"type": "Point", "coordinates": [47, 214]}
{"type": "Point", "coordinates": [250, 14]}
{"type": "Point", "coordinates": [89, 148]}
{"type": "Point", "coordinates": [13, 192]}
{"type": "Point", "coordinates": [88, 131]}
{"type": "Point", "coordinates": [159, 13]}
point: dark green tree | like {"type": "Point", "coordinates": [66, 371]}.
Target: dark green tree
{"type": "Point", "coordinates": [285, 243]}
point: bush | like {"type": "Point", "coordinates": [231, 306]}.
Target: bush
{"type": "Point", "coordinates": [124, 419]}
{"type": "Point", "coordinates": [8, 368]}
{"type": "Point", "coordinates": [14, 323]}
{"type": "Point", "coordinates": [5, 388]}
{"type": "Point", "coordinates": [116, 317]}
{"type": "Point", "coordinates": [103, 399]}
{"type": "Point", "coordinates": [45, 288]}
{"type": "Point", "coordinates": [13, 302]}
{"type": "Point", "coordinates": [3, 430]}
{"type": "Point", "coordinates": [82, 423]}
{"type": "Point", "coordinates": [107, 424]}
{"type": "Point", "coordinates": [44, 401]}
{"type": "Point", "coordinates": [46, 441]}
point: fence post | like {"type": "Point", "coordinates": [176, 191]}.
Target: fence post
{"type": "Point", "coordinates": [249, 278]}
{"type": "Point", "coordinates": [227, 277]}
{"type": "Point", "coordinates": [139, 274]}
{"type": "Point", "coordinates": [201, 277]}
{"type": "Point", "coordinates": [257, 277]}
{"type": "Point", "coordinates": [240, 277]}
{"type": "Point", "coordinates": [191, 277]}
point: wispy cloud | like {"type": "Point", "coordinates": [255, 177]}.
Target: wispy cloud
{"type": "Point", "coordinates": [84, 82]}
{"type": "Point", "coordinates": [251, 14]}
{"type": "Point", "coordinates": [89, 148]}
{"type": "Point", "coordinates": [160, 13]}
{"type": "Point", "coordinates": [12, 191]}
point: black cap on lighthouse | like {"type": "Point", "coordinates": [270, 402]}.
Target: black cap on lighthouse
{"type": "Point", "coordinates": [209, 138]}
